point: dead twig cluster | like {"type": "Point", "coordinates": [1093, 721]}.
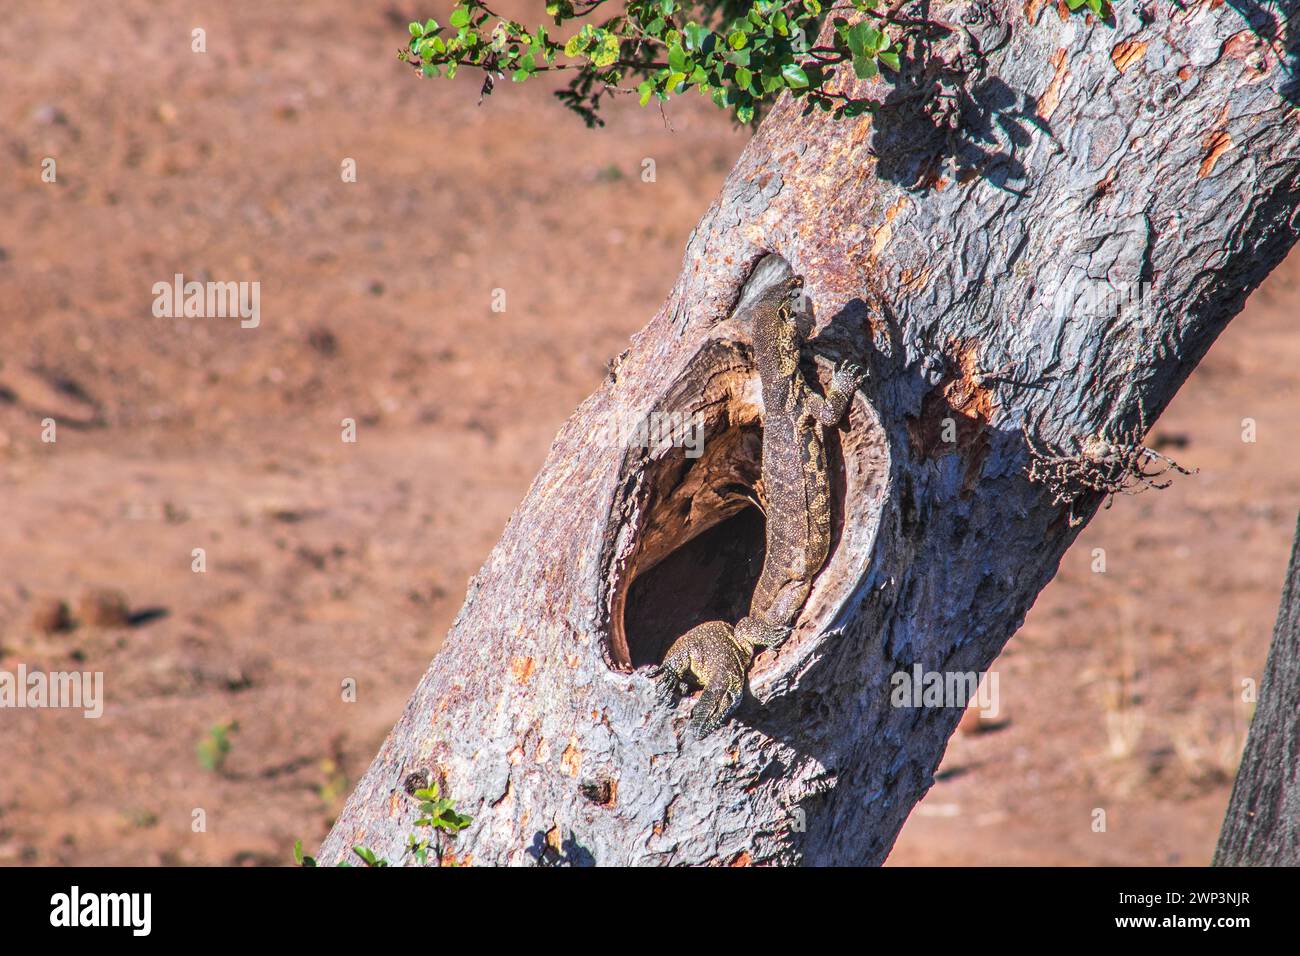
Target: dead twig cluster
{"type": "Point", "coordinates": [1102, 465]}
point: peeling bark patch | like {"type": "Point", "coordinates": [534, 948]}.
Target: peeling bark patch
{"type": "Point", "coordinates": [571, 759]}
{"type": "Point", "coordinates": [1032, 9]}
{"type": "Point", "coordinates": [882, 234]}
{"type": "Point", "coordinates": [1105, 185]}
{"type": "Point", "coordinates": [1051, 98]}
{"type": "Point", "coordinates": [914, 282]}
{"type": "Point", "coordinates": [955, 416]}
{"type": "Point", "coordinates": [1216, 144]}
{"type": "Point", "coordinates": [741, 859]}
{"type": "Point", "coordinates": [1252, 51]}
{"type": "Point", "coordinates": [522, 668]}
{"type": "Point", "coordinates": [1127, 53]}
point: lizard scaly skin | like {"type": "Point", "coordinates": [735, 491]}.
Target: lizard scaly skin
{"type": "Point", "coordinates": [796, 482]}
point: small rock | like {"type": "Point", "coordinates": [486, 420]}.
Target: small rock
{"type": "Point", "coordinates": [50, 615]}
{"type": "Point", "coordinates": [104, 608]}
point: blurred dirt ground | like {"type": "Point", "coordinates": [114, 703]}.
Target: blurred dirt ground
{"type": "Point", "coordinates": [328, 561]}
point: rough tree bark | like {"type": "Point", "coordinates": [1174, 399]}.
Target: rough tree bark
{"type": "Point", "coordinates": [956, 242]}
{"type": "Point", "coordinates": [1262, 826]}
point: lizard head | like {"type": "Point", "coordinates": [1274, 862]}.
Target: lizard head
{"type": "Point", "coordinates": [790, 290]}
{"type": "Point", "coordinates": [775, 322]}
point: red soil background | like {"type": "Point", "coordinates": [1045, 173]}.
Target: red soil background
{"type": "Point", "coordinates": [329, 561]}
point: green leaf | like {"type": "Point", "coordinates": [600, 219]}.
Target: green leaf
{"type": "Point", "coordinates": [737, 40]}
{"type": "Point", "coordinates": [745, 113]}
{"type": "Point", "coordinates": [430, 25]}
{"type": "Point", "coordinates": [675, 80]}
{"type": "Point", "coordinates": [415, 28]}
{"type": "Point", "coordinates": [889, 58]}
{"type": "Point", "coordinates": [573, 46]}
{"type": "Point", "coordinates": [864, 67]}
{"type": "Point", "coordinates": [743, 79]}
{"type": "Point", "coordinates": [459, 17]}
{"type": "Point", "coordinates": [863, 38]}
{"type": "Point", "coordinates": [366, 854]}
{"type": "Point", "coordinates": [646, 89]}
{"type": "Point", "coordinates": [696, 35]}
{"type": "Point", "coordinates": [795, 77]}
{"type": "Point", "coordinates": [606, 52]}
{"type": "Point", "coordinates": [677, 60]}
{"type": "Point", "coordinates": [297, 852]}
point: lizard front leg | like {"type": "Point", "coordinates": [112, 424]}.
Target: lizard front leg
{"type": "Point", "coordinates": [689, 657]}
{"type": "Point", "coordinates": [711, 655]}
{"type": "Point", "coordinates": [717, 703]}
{"type": "Point", "coordinates": [829, 410]}
{"type": "Point", "coordinates": [672, 673]}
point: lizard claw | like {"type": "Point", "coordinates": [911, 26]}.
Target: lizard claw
{"type": "Point", "coordinates": [714, 707]}
{"type": "Point", "coordinates": [848, 377]}
{"type": "Point", "coordinates": [669, 687]}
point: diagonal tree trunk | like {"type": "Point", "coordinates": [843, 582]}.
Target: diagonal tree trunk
{"type": "Point", "coordinates": [961, 243]}
{"type": "Point", "coordinates": [1262, 826]}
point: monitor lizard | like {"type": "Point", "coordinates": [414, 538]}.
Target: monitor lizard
{"type": "Point", "coordinates": [796, 501]}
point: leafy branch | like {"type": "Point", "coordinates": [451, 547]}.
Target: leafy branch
{"type": "Point", "coordinates": [739, 53]}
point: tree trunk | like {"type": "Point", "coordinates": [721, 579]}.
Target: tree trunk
{"type": "Point", "coordinates": [1262, 827]}
{"type": "Point", "coordinates": [959, 243]}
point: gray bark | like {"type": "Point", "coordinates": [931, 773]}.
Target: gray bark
{"type": "Point", "coordinates": [964, 267]}
{"type": "Point", "coordinates": [1262, 826]}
